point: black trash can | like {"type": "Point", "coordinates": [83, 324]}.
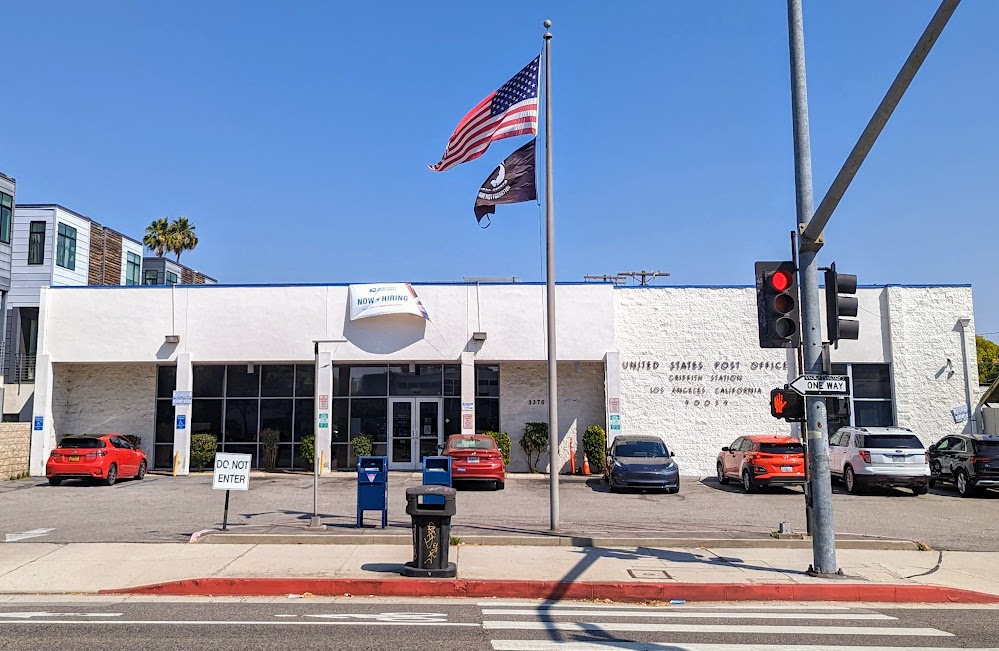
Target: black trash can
{"type": "Point", "coordinates": [431, 531]}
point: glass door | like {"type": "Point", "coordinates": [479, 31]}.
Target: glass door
{"type": "Point", "coordinates": [430, 428]}
{"type": "Point", "coordinates": [402, 434]}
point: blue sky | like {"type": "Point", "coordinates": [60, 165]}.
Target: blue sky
{"type": "Point", "coordinates": [296, 135]}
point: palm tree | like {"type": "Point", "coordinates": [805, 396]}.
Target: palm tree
{"type": "Point", "coordinates": [181, 236]}
{"type": "Point", "coordinates": [157, 236]}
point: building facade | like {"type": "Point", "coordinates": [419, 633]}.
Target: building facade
{"type": "Point", "coordinates": [682, 363]}
{"type": "Point", "coordinates": [50, 246]}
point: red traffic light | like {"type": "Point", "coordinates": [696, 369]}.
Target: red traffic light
{"type": "Point", "coordinates": [781, 280]}
{"type": "Point", "coordinates": [787, 404]}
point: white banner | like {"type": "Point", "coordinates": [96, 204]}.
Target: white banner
{"type": "Point", "coordinates": [384, 298]}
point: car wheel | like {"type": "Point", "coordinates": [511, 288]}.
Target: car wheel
{"type": "Point", "coordinates": [720, 472]}
{"type": "Point", "coordinates": [55, 481]}
{"type": "Point", "coordinates": [850, 479]}
{"type": "Point", "coordinates": [920, 489]}
{"type": "Point", "coordinates": [112, 475]}
{"type": "Point", "coordinates": [142, 471]}
{"type": "Point", "coordinates": [674, 491]}
{"type": "Point", "coordinates": [747, 482]}
{"type": "Point", "coordinates": [964, 487]}
{"type": "Point", "coordinates": [931, 483]}
{"type": "Point", "coordinates": [500, 485]}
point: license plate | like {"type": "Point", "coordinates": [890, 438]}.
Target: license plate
{"type": "Point", "coordinates": [74, 458]}
{"type": "Point", "coordinates": [473, 459]}
{"type": "Point", "coordinates": [898, 458]}
{"type": "Point", "coordinates": [786, 469]}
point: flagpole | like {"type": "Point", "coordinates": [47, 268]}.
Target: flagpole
{"type": "Point", "coordinates": [553, 430]}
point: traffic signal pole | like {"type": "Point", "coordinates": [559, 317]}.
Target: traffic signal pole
{"type": "Point", "coordinates": [820, 489]}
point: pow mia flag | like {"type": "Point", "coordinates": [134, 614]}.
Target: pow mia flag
{"type": "Point", "coordinates": [512, 182]}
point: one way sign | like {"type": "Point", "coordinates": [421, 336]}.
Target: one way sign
{"type": "Point", "coordinates": [822, 385]}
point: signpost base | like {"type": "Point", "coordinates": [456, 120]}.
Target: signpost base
{"type": "Point", "coordinates": [225, 513]}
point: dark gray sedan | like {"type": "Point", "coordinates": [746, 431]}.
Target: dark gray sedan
{"type": "Point", "coordinates": [641, 462]}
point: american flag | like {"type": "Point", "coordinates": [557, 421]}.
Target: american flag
{"type": "Point", "coordinates": [510, 111]}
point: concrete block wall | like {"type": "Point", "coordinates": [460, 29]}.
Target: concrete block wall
{"type": "Point", "coordinates": [103, 398]}
{"type": "Point", "coordinates": [524, 396]}
{"type": "Point", "coordinates": [15, 446]}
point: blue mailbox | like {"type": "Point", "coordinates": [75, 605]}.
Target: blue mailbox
{"type": "Point", "coordinates": [436, 472]}
{"type": "Point", "coordinates": [372, 488]}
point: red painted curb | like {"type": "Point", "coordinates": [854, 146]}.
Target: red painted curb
{"type": "Point", "coordinates": [625, 592]}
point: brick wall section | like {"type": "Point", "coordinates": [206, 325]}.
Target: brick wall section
{"type": "Point", "coordinates": [102, 398]}
{"type": "Point", "coordinates": [523, 398]}
{"type": "Point", "coordinates": [95, 272]}
{"type": "Point", "coordinates": [15, 444]}
{"type": "Point", "coordinates": [199, 278]}
{"type": "Point", "coordinates": [112, 257]}
{"type": "Point", "coordinates": [186, 276]}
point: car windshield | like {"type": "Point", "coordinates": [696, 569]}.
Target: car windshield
{"type": "Point", "coordinates": [987, 447]}
{"type": "Point", "coordinates": [649, 449]}
{"type": "Point", "coordinates": [892, 441]}
{"type": "Point", "coordinates": [472, 444]}
{"type": "Point", "coordinates": [81, 443]}
{"type": "Point", "coordinates": [781, 448]}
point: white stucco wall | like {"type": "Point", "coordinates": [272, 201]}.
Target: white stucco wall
{"type": "Point", "coordinates": [523, 399]}
{"type": "Point", "coordinates": [103, 398]}
{"type": "Point", "coordinates": [692, 370]}
{"type": "Point", "coordinates": [925, 333]}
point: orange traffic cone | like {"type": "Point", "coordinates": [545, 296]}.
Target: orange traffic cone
{"type": "Point", "coordinates": [572, 458]}
{"type": "Point", "coordinates": [586, 465]}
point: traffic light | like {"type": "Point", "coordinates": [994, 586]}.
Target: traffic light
{"type": "Point", "coordinates": [787, 403]}
{"type": "Point", "coordinates": [838, 306]}
{"type": "Point", "coordinates": [777, 305]}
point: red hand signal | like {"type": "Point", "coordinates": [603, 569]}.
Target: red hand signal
{"type": "Point", "coordinates": [779, 403]}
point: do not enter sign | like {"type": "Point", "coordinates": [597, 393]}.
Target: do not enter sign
{"type": "Point", "coordinates": [232, 471]}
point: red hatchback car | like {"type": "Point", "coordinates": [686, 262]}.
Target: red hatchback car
{"type": "Point", "coordinates": [762, 460]}
{"type": "Point", "coordinates": [476, 457]}
{"type": "Point", "coordinates": [104, 457]}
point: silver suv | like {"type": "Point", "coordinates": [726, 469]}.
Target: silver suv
{"type": "Point", "coordinates": [883, 456]}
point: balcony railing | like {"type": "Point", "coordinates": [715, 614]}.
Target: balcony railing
{"type": "Point", "coordinates": [24, 368]}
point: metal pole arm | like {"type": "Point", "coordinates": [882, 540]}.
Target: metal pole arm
{"type": "Point", "coordinates": [810, 236]}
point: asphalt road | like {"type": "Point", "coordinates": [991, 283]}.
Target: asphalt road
{"type": "Point", "coordinates": [305, 624]}
{"type": "Point", "coordinates": [166, 509]}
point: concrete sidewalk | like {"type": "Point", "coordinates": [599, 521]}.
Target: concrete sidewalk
{"type": "Point", "coordinates": [95, 567]}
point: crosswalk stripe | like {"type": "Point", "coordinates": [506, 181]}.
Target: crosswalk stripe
{"type": "Point", "coordinates": [559, 604]}
{"type": "Point", "coordinates": [615, 627]}
{"type": "Point", "coordinates": [683, 614]}
{"type": "Point", "coordinates": [544, 645]}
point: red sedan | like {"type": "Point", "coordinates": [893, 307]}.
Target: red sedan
{"type": "Point", "coordinates": [475, 457]}
{"type": "Point", "coordinates": [104, 457]}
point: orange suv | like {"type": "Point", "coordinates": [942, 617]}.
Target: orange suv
{"type": "Point", "coordinates": [762, 460]}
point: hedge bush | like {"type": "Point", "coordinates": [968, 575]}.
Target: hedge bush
{"type": "Point", "coordinates": [361, 445]}
{"type": "Point", "coordinates": [535, 443]}
{"type": "Point", "coordinates": [595, 447]}
{"type": "Point", "coordinates": [308, 451]}
{"type": "Point", "coordinates": [269, 439]}
{"type": "Point", "coordinates": [203, 448]}
{"type": "Point", "coordinates": [503, 443]}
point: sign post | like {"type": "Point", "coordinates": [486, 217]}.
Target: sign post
{"type": "Point", "coordinates": [232, 473]}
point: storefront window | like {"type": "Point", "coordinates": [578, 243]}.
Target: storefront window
{"type": "Point", "coordinates": [277, 380]}
{"type": "Point", "coordinates": [487, 399]}
{"type": "Point", "coordinates": [871, 402]}
{"type": "Point", "coordinates": [452, 380]}
{"type": "Point", "coordinates": [242, 381]}
{"type": "Point", "coordinates": [208, 381]}
{"type": "Point", "coordinates": [368, 380]}
{"type": "Point", "coordinates": [166, 381]}
{"type": "Point", "coordinates": [423, 380]}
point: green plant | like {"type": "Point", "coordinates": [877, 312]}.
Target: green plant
{"type": "Point", "coordinates": [595, 447]}
{"type": "Point", "coordinates": [454, 541]}
{"type": "Point", "coordinates": [134, 439]}
{"type": "Point", "coordinates": [19, 475]}
{"type": "Point", "coordinates": [308, 451]}
{"type": "Point", "coordinates": [269, 439]}
{"type": "Point", "coordinates": [203, 447]}
{"type": "Point", "coordinates": [503, 443]}
{"type": "Point", "coordinates": [535, 443]}
{"type": "Point", "coordinates": [361, 444]}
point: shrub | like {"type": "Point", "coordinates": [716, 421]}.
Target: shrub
{"type": "Point", "coordinates": [203, 447]}
{"type": "Point", "coordinates": [503, 443]}
{"type": "Point", "coordinates": [134, 439]}
{"type": "Point", "coordinates": [308, 451]}
{"type": "Point", "coordinates": [269, 439]}
{"type": "Point", "coordinates": [361, 445]}
{"type": "Point", "coordinates": [535, 443]}
{"type": "Point", "coordinates": [595, 447]}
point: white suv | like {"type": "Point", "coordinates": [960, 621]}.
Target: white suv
{"type": "Point", "coordinates": [883, 456]}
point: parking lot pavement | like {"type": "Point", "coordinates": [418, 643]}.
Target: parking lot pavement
{"type": "Point", "coordinates": [161, 508]}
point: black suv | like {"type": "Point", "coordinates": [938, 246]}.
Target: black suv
{"type": "Point", "coordinates": [971, 462]}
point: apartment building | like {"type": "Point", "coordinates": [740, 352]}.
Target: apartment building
{"type": "Point", "coordinates": [8, 187]}
{"type": "Point", "coordinates": [52, 246]}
